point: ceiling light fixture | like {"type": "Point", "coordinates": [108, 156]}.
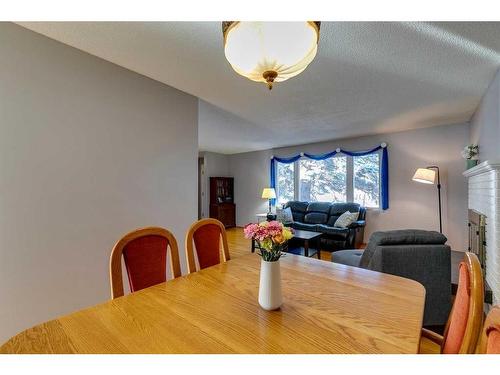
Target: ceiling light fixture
{"type": "Point", "coordinates": [270, 51]}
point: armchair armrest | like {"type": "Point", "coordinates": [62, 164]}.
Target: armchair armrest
{"type": "Point", "coordinates": [357, 224]}
{"type": "Point", "coordinates": [433, 336]}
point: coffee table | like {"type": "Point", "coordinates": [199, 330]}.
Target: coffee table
{"type": "Point", "coordinates": [305, 237]}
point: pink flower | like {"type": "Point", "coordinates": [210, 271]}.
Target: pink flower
{"type": "Point", "coordinates": [266, 230]}
{"type": "Point", "coordinates": [250, 230]}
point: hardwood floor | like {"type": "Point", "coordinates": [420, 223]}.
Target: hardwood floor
{"type": "Point", "coordinates": [239, 245]}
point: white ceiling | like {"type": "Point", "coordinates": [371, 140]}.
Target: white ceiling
{"type": "Point", "coordinates": [367, 78]}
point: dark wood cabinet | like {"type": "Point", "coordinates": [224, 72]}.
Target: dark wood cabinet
{"type": "Point", "coordinates": [222, 205]}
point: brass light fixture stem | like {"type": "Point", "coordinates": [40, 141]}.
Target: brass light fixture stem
{"type": "Point", "coordinates": [269, 76]}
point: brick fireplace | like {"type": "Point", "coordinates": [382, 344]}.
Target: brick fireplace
{"type": "Point", "coordinates": [484, 198]}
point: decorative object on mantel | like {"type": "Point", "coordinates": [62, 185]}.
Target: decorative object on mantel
{"type": "Point", "coordinates": [270, 51]}
{"type": "Point", "coordinates": [384, 171]}
{"type": "Point", "coordinates": [469, 153]}
{"type": "Point", "coordinates": [427, 175]}
{"type": "Point", "coordinates": [271, 238]}
{"type": "Point", "coordinates": [270, 194]}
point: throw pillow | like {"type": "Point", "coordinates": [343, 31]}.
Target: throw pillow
{"type": "Point", "coordinates": [346, 219]}
{"type": "Point", "coordinates": [284, 215]}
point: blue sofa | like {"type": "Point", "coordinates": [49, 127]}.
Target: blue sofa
{"type": "Point", "coordinates": [321, 217]}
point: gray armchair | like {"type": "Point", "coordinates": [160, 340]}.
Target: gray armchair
{"type": "Point", "coordinates": [415, 254]}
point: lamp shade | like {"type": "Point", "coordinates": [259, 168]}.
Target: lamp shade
{"type": "Point", "coordinates": [268, 193]}
{"type": "Point", "coordinates": [425, 176]}
{"type": "Point", "coordinates": [270, 51]}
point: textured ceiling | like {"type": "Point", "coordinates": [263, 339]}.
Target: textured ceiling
{"type": "Point", "coordinates": [367, 77]}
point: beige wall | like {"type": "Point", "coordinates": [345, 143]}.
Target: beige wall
{"type": "Point", "coordinates": [88, 151]}
{"type": "Point", "coordinates": [485, 124]}
{"type": "Point", "coordinates": [412, 205]}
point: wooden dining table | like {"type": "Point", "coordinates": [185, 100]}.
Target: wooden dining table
{"type": "Point", "coordinates": [327, 308]}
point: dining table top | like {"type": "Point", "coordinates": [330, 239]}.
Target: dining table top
{"type": "Point", "coordinates": [327, 308]}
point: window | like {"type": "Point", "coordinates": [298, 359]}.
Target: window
{"type": "Point", "coordinates": [323, 180]}
{"type": "Point", "coordinates": [366, 181]}
{"type": "Point", "coordinates": [285, 188]}
{"type": "Point", "coordinates": [337, 179]}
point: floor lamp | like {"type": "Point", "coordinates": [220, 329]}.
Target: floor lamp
{"type": "Point", "coordinates": [428, 176]}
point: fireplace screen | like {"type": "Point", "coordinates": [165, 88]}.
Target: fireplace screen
{"type": "Point", "coordinates": [477, 236]}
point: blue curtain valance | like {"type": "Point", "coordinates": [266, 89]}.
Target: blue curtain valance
{"type": "Point", "coordinates": [384, 173]}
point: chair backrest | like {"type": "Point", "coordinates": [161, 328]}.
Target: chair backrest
{"type": "Point", "coordinates": [464, 324]}
{"type": "Point", "coordinates": [400, 237]}
{"type": "Point", "coordinates": [490, 337]}
{"type": "Point", "coordinates": [298, 209]}
{"type": "Point", "coordinates": [145, 255]}
{"type": "Point", "coordinates": [206, 235]}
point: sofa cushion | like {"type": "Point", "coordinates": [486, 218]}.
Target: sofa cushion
{"type": "Point", "coordinates": [304, 226]}
{"type": "Point", "coordinates": [297, 206]}
{"type": "Point", "coordinates": [298, 209]}
{"type": "Point", "coordinates": [337, 209]}
{"type": "Point", "coordinates": [315, 218]}
{"type": "Point", "coordinates": [323, 207]}
{"type": "Point", "coordinates": [333, 231]}
{"type": "Point", "coordinates": [317, 213]}
{"type": "Point", "coordinates": [284, 215]}
{"type": "Point", "coordinates": [346, 219]}
{"type": "Point", "coordinates": [400, 237]}
{"type": "Point", "coordinates": [347, 257]}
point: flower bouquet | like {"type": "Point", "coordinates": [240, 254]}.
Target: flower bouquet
{"type": "Point", "coordinates": [470, 153]}
{"type": "Point", "coordinates": [271, 238]}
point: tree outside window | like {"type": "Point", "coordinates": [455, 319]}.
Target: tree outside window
{"type": "Point", "coordinates": [323, 180]}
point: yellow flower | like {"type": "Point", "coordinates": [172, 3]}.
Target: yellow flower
{"type": "Point", "coordinates": [287, 234]}
{"type": "Point", "coordinates": [279, 239]}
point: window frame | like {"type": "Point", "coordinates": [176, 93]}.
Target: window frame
{"type": "Point", "coordinates": [349, 179]}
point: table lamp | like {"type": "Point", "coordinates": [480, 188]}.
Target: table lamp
{"type": "Point", "coordinates": [269, 193]}
{"type": "Point", "coordinates": [427, 175]}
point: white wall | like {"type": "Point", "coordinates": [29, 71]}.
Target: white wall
{"type": "Point", "coordinates": [88, 152]}
{"type": "Point", "coordinates": [215, 165]}
{"type": "Point", "coordinates": [485, 124]}
{"type": "Point", "coordinates": [412, 205]}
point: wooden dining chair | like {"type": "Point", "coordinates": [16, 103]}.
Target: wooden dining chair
{"type": "Point", "coordinates": [464, 322]}
{"type": "Point", "coordinates": [145, 255]}
{"type": "Point", "coordinates": [489, 342]}
{"type": "Point", "coordinates": [206, 235]}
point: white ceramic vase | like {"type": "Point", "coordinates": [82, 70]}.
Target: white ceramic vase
{"type": "Point", "coordinates": [270, 285]}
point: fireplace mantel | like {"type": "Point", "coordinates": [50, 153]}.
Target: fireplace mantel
{"type": "Point", "coordinates": [484, 167]}
{"type": "Point", "coordinates": [484, 197]}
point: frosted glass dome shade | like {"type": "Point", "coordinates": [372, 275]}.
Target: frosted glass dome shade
{"type": "Point", "coordinates": [270, 51]}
